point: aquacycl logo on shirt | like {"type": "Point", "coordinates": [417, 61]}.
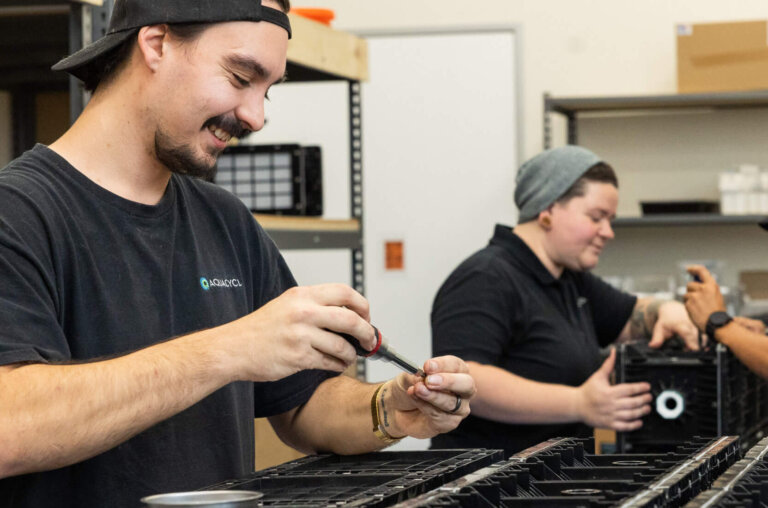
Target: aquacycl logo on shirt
{"type": "Point", "coordinates": [208, 284]}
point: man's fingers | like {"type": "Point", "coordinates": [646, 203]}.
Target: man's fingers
{"type": "Point", "coordinates": [690, 335]}
{"type": "Point", "coordinates": [340, 295]}
{"type": "Point", "coordinates": [448, 363]}
{"type": "Point", "coordinates": [331, 363]}
{"type": "Point", "coordinates": [344, 320]}
{"type": "Point", "coordinates": [438, 419]}
{"type": "Point", "coordinates": [701, 272]}
{"type": "Point", "coordinates": [657, 339]}
{"type": "Point", "coordinates": [460, 384]}
{"type": "Point", "coordinates": [333, 345]}
{"type": "Point", "coordinates": [445, 402]}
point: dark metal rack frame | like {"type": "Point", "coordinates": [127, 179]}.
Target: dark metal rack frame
{"type": "Point", "coordinates": [572, 107]}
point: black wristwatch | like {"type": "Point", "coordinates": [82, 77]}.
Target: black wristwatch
{"type": "Point", "coordinates": [716, 320]}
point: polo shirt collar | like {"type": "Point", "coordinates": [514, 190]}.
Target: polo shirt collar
{"type": "Point", "coordinates": [523, 256]}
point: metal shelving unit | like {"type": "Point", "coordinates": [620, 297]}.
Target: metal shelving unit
{"type": "Point", "coordinates": [572, 107]}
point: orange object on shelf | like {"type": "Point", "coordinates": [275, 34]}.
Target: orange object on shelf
{"type": "Point", "coordinates": [323, 16]}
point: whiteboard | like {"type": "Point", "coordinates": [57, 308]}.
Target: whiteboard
{"type": "Point", "coordinates": [440, 150]}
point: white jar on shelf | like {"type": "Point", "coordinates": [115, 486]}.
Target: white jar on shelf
{"type": "Point", "coordinates": [732, 201]}
{"type": "Point", "coordinates": [750, 186]}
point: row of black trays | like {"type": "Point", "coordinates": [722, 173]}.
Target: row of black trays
{"type": "Point", "coordinates": [557, 473]}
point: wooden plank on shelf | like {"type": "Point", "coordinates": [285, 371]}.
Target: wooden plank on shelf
{"type": "Point", "coordinates": [322, 48]}
{"type": "Point", "coordinates": [294, 223]}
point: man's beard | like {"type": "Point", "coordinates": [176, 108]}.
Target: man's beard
{"type": "Point", "coordinates": [181, 159]}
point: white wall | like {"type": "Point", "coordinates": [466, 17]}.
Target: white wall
{"type": "Point", "coordinates": [586, 47]}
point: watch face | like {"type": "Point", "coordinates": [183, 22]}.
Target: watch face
{"type": "Point", "coordinates": [720, 318]}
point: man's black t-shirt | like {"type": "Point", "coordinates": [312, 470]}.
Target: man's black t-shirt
{"type": "Point", "coordinates": [86, 274]}
{"type": "Point", "coordinates": [502, 307]}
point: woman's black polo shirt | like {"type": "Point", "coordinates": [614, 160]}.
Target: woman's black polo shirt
{"type": "Point", "coordinates": [502, 307]}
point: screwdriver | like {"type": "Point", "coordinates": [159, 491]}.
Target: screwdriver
{"type": "Point", "coordinates": [383, 351]}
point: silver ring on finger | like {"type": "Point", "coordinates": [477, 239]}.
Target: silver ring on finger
{"type": "Point", "coordinates": [457, 406]}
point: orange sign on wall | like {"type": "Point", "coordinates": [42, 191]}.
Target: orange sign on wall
{"type": "Point", "coordinates": [393, 255]}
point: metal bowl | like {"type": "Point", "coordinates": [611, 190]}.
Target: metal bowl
{"type": "Point", "coordinates": [207, 499]}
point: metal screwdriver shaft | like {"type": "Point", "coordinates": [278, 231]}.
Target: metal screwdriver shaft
{"type": "Point", "coordinates": [383, 351]}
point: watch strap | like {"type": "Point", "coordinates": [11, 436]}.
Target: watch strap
{"type": "Point", "coordinates": [715, 321]}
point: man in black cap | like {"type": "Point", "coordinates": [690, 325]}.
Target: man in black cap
{"type": "Point", "coordinates": [145, 317]}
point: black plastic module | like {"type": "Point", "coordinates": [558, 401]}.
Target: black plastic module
{"type": "Point", "coordinates": [372, 480]}
{"type": "Point", "coordinates": [707, 393]}
{"type": "Point", "coordinates": [559, 474]}
{"type": "Point", "coordinates": [743, 485]}
{"type": "Point", "coordinates": [274, 179]}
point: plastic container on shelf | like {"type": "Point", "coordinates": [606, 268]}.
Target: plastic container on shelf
{"type": "Point", "coordinates": [744, 191]}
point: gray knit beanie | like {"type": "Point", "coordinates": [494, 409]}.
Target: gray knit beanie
{"type": "Point", "coordinates": [544, 178]}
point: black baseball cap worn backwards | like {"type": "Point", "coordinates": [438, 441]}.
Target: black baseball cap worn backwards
{"type": "Point", "coordinates": [130, 15]}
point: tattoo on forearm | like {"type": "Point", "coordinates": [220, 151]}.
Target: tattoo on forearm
{"type": "Point", "coordinates": [652, 315]}
{"type": "Point", "coordinates": [384, 408]}
{"type": "Point", "coordinates": [637, 324]}
{"type": "Point", "coordinates": [644, 319]}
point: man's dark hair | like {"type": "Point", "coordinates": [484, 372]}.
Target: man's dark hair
{"type": "Point", "coordinates": [600, 172]}
{"type": "Point", "coordinates": [104, 69]}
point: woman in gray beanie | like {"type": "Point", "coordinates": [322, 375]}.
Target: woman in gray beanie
{"type": "Point", "coordinates": [529, 318]}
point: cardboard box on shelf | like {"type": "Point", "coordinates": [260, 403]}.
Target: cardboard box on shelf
{"type": "Point", "coordinates": [754, 284]}
{"type": "Point", "coordinates": [722, 57]}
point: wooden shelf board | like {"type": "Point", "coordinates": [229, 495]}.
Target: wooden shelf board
{"type": "Point", "coordinates": [333, 53]}
{"type": "Point", "coordinates": [294, 223]}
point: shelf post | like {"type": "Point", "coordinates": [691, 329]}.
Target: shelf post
{"type": "Point", "coordinates": [547, 122]}
{"type": "Point", "coordinates": [573, 129]}
{"type": "Point", "coordinates": [356, 191]}
{"type": "Point", "coordinates": [87, 23]}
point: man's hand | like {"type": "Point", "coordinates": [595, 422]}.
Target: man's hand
{"type": "Point", "coordinates": [702, 298]}
{"type": "Point", "coordinates": [423, 408]}
{"type": "Point", "coordinates": [618, 407]}
{"type": "Point", "coordinates": [294, 332]}
{"type": "Point", "coordinates": [673, 320]}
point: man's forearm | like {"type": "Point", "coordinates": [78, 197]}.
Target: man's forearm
{"type": "Point", "coordinates": [55, 415]}
{"type": "Point", "coordinates": [505, 397]}
{"type": "Point", "coordinates": [749, 347]}
{"type": "Point", "coordinates": [348, 429]}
